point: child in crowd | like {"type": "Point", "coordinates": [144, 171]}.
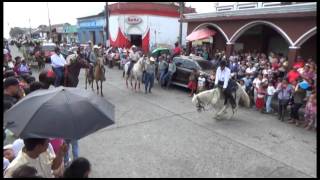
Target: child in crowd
{"type": "Point", "coordinates": [192, 85]}
{"type": "Point", "coordinates": [270, 92]}
{"type": "Point", "coordinates": [261, 92]}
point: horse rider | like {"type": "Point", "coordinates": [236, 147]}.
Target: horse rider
{"type": "Point", "coordinates": [88, 50]}
{"type": "Point", "coordinates": [134, 57]}
{"type": "Point", "coordinates": [223, 80]}
{"type": "Point", "coordinates": [93, 57]}
{"type": "Point", "coordinates": [58, 62]}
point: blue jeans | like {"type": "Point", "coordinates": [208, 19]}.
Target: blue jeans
{"type": "Point", "coordinates": [75, 150]}
{"type": "Point", "coordinates": [161, 78]}
{"type": "Point", "coordinates": [268, 104]}
{"type": "Point", "coordinates": [59, 74]}
{"type": "Point", "coordinates": [149, 79]}
{"type": "Point", "coordinates": [168, 78]}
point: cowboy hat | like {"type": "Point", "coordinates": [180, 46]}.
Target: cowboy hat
{"type": "Point", "coordinates": [96, 47]}
{"type": "Point", "coordinates": [152, 59]}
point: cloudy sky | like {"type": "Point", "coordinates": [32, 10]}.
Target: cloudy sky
{"type": "Point", "coordinates": [24, 14]}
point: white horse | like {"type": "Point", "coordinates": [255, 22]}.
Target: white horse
{"type": "Point", "coordinates": [211, 97]}
{"type": "Point", "coordinates": [136, 72]}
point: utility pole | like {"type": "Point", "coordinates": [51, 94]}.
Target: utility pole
{"type": "Point", "coordinates": [181, 7]}
{"type": "Point", "coordinates": [107, 23]}
{"type": "Point", "coordinates": [49, 21]}
{"type": "Point", "coordinates": [30, 28]}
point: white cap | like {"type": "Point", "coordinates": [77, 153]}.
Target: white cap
{"type": "Point", "coordinates": [5, 51]}
{"type": "Point", "coordinates": [152, 59]}
{"type": "Point", "coordinates": [96, 47]}
{"type": "Point", "coordinates": [9, 146]}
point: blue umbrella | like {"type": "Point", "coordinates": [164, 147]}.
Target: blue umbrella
{"type": "Point", "coordinates": [304, 85]}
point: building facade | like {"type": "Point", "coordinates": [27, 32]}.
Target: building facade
{"type": "Point", "coordinates": [265, 27]}
{"type": "Point", "coordinates": [91, 28]}
{"type": "Point", "coordinates": [147, 25]}
{"type": "Point", "coordinates": [70, 33]}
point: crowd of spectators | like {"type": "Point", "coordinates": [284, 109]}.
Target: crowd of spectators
{"type": "Point", "coordinates": [270, 82]}
{"type": "Point", "coordinates": [33, 157]}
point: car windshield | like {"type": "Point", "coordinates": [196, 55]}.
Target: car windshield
{"type": "Point", "coordinates": [205, 65]}
{"type": "Point", "coordinates": [48, 48]}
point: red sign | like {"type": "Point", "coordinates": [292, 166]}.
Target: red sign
{"type": "Point", "coordinates": [134, 20]}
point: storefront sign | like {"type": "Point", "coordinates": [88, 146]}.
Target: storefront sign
{"type": "Point", "coordinates": [133, 20]}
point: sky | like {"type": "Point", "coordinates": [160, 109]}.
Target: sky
{"type": "Point", "coordinates": [24, 14]}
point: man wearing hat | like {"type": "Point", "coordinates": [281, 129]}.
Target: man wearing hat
{"type": "Point", "coordinates": [223, 76]}
{"type": "Point", "coordinates": [88, 50]}
{"type": "Point", "coordinates": [11, 91]}
{"type": "Point", "coordinates": [58, 62]}
{"type": "Point", "coordinates": [134, 57]}
{"type": "Point", "coordinates": [150, 72]}
{"type": "Point", "coordinates": [94, 55]}
{"type": "Point", "coordinates": [93, 58]}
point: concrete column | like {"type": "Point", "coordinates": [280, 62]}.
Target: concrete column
{"type": "Point", "coordinates": [229, 49]}
{"type": "Point", "coordinates": [292, 55]}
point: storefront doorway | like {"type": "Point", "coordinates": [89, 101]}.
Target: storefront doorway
{"type": "Point", "coordinates": [136, 40]}
{"type": "Point", "coordinates": [93, 37]}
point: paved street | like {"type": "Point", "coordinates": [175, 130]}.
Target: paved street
{"type": "Point", "coordinates": [162, 135]}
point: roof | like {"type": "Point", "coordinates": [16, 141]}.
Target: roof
{"type": "Point", "coordinates": [92, 16]}
{"type": "Point", "coordinates": [141, 7]}
{"type": "Point", "coordinates": [305, 8]}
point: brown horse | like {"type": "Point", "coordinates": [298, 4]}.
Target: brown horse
{"type": "Point", "coordinates": [98, 74]}
{"type": "Point", "coordinates": [71, 74]}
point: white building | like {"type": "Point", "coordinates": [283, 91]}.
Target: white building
{"type": "Point", "coordinates": [147, 25]}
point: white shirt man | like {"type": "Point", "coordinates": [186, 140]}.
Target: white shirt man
{"type": "Point", "coordinates": [223, 75]}
{"type": "Point", "coordinates": [58, 61]}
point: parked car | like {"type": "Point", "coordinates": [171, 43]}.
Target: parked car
{"type": "Point", "coordinates": [48, 51]}
{"type": "Point", "coordinates": [185, 66]}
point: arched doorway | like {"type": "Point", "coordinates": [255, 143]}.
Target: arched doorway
{"type": "Point", "coordinates": [261, 36]}
{"type": "Point", "coordinates": [309, 48]}
{"type": "Point", "coordinates": [216, 42]}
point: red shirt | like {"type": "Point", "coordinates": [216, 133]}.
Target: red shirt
{"type": "Point", "coordinates": [50, 74]}
{"type": "Point", "coordinates": [275, 66]}
{"type": "Point", "coordinates": [177, 50]}
{"type": "Point", "coordinates": [293, 75]}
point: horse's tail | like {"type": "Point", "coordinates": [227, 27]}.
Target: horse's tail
{"type": "Point", "coordinates": [244, 96]}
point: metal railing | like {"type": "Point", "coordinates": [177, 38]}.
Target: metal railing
{"type": "Point", "coordinates": [251, 5]}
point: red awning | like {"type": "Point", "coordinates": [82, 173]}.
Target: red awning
{"type": "Point", "coordinates": [200, 34]}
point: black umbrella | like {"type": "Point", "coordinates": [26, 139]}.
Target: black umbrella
{"type": "Point", "coordinates": [68, 113]}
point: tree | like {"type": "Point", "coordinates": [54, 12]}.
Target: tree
{"type": "Point", "coordinates": [16, 32]}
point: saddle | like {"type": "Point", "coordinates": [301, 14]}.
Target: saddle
{"type": "Point", "coordinates": [131, 67]}
{"type": "Point", "coordinates": [232, 85]}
